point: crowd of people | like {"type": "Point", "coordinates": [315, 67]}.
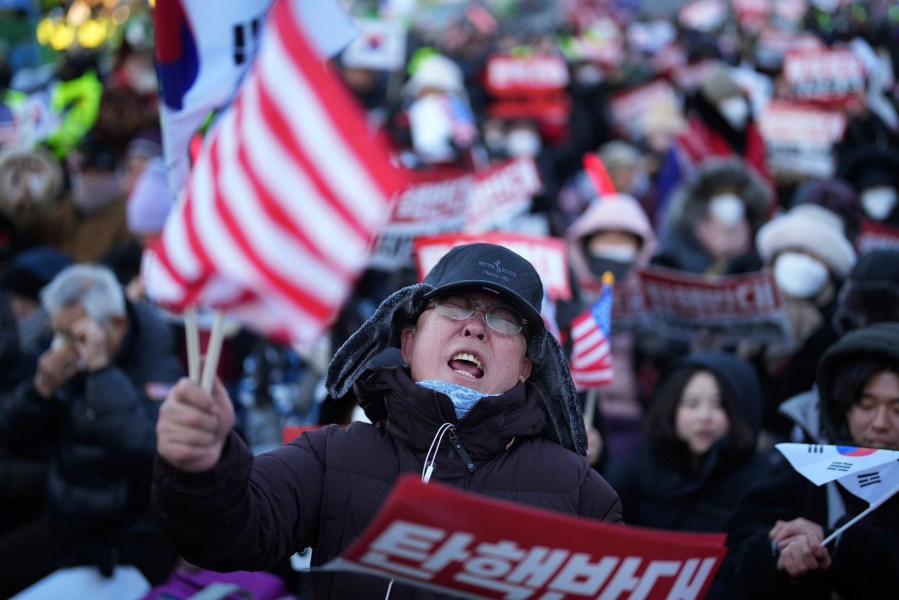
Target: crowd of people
{"type": "Point", "coordinates": [94, 410]}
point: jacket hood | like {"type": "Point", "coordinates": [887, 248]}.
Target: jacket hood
{"type": "Point", "coordinates": [740, 380]}
{"type": "Point", "coordinates": [618, 212]}
{"type": "Point", "coordinates": [882, 340]}
{"type": "Point", "coordinates": [716, 176]}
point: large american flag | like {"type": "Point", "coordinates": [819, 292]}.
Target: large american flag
{"type": "Point", "coordinates": [282, 204]}
{"type": "Point", "coordinates": [591, 351]}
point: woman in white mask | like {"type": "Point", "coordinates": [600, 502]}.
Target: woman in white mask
{"type": "Point", "coordinates": [873, 171]}
{"type": "Point", "coordinates": [809, 256]}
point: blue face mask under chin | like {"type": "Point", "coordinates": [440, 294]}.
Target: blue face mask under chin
{"type": "Point", "coordinates": [463, 398]}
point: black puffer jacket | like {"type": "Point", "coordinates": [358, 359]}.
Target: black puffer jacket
{"type": "Point", "coordinates": [322, 489]}
{"type": "Point", "coordinates": [100, 429]}
{"type": "Point", "coordinates": [656, 485]}
{"type": "Point", "coordinates": [865, 556]}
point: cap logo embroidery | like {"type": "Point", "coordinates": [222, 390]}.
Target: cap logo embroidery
{"type": "Point", "coordinates": [496, 270]}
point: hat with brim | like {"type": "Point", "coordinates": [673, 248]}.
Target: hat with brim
{"type": "Point", "coordinates": [495, 269]}
{"type": "Point", "coordinates": [811, 228]}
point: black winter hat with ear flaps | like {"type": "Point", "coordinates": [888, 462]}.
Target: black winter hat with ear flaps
{"type": "Point", "coordinates": [492, 268]}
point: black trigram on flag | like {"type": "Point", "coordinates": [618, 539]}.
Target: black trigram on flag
{"type": "Point", "coordinates": [839, 466]}
{"type": "Point", "coordinates": [815, 449]}
{"type": "Point", "coordinates": [866, 479]}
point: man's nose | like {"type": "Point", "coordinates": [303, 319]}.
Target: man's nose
{"type": "Point", "coordinates": [476, 325]}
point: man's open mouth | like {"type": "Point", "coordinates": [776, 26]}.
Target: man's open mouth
{"type": "Point", "coordinates": [467, 364]}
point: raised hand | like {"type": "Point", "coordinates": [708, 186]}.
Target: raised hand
{"type": "Point", "coordinates": [193, 426]}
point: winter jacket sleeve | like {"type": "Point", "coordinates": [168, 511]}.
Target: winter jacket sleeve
{"type": "Point", "coordinates": [782, 495]}
{"type": "Point", "coordinates": [598, 499]}
{"type": "Point", "coordinates": [864, 561]}
{"type": "Point", "coordinates": [27, 421]}
{"type": "Point", "coordinates": [246, 513]}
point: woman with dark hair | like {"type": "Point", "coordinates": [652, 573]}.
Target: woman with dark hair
{"type": "Point", "coordinates": [699, 450]}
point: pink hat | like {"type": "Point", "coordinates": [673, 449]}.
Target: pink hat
{"type": "Point", "coordinates": [150, 200]}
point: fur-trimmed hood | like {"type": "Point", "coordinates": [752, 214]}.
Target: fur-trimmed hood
{"type": "Point", "coordinates": [716, 176]}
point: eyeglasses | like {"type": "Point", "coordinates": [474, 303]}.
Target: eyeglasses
{"type": "Point", "coordinates": [499, 318]}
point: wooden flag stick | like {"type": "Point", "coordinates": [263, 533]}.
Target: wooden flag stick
{"type": "Point", "coordinates": [192, 333]}
{"type": "Point", "coordinates": [590, 405]}
{"type": "Point", "coordinates": [213, 351]}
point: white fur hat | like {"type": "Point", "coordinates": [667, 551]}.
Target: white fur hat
{"type": "Point", "coordinates": [436, 71]}
{"type": "Point", "coordinates": [812, 228]}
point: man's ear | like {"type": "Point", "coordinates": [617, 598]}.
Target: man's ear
{"type": "Point", "coordinates": [407, 341]}
{"type": "Point", "coordinates": [525, 370]}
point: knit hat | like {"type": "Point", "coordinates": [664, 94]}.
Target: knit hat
{"type": "Point", "coordinates": [479, 265]}
{"type": "Point", "coordinates": [150, 200]}
{"type": "Point", "coordinates": [31, 270]}
{"type": "Point", "coordinates": [812, 228]}
{"type": "Point", "coordinates": [436, 71]}
{"type": "Point", "coordinates": [871, 292]}
{"type": "Point", "coordinates": [719, 85]}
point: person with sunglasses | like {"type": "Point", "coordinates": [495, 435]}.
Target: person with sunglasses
{"type": "Point", "coordinates": [483, 382]}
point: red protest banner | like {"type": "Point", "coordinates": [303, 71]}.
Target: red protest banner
{"type": "Point", "coordinates": [452, 200]}
{"type": "Point", "coordinates": [829, 75]}
{"type": "Point", "coordinates": [877, 236]}
{"type": "Point", "coordinates": [736, 307]}
{"type": "Point", "coordinates": [445, 540]}
{"type": "Point", "coordinates": [628, 106]}
{"type": "Point", "coordinates": [548, 255]}
{"type": "Point", "coordinates": [533, 74]}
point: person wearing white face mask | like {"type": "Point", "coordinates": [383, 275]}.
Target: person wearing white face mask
{"type": "Point", "coordinates": [874, 174]}
{"type": "Point", "coordinates": [713, 220]}
{"type": "Point", "coordinates": [809, 256]}
{"type": "Point", "coordinates": [879, 201]}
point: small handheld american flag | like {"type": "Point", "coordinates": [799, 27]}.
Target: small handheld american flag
{"type": "Point", "coordinates": [591, 354]}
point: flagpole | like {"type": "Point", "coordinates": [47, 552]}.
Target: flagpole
{"type": "Point", "coordinates": [590, 405]}
{"type": "Point", "coordinates": [213, 350]}
{"type": "Point", "coordinates": [852, 522]}
{"type": "Point", "coordinates": [192, 335]}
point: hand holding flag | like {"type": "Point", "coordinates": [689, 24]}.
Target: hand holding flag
{"type": "Point", "coordinates": [870, 474]}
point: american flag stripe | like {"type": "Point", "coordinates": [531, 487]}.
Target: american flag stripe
{"type": "Point", "coordinates": [591, 354]}
{"type": "Point", "coordinates": [285, 197]}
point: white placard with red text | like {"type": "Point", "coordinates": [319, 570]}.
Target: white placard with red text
{"type": "Point", "coordinates": [548, 255]}
{"type": "Point", "coordinates": [441, 539]}
{"type": "Point", "coordinates": [730, 307]}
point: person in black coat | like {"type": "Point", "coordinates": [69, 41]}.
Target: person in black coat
{"type": "Point", "coordinates": [699, 448]}
{"type": "Point", "coordinates": [775, 536]}
{"type": "Point", "coordinates": [92, 404]}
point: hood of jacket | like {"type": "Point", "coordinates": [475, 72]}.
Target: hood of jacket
{"type": "Point", "coordinates": [882, 340]}
{"type": "Point", "coordinates": [619, 212]}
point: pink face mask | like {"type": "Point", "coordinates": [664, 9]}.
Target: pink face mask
{"type": "Point", "coordinates": [93, 191]}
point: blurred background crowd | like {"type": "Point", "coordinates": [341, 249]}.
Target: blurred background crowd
{"type": "Point", "coordinates": [740, 136]}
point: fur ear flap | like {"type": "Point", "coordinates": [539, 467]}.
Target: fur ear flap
{"type": "Point", "coordinates": [552, 378]}
{"type": "Point", "coordinates": [378, 333]}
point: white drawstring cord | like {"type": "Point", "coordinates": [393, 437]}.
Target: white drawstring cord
{"type": "Point", "coordinates": [427, 469]}
{"type": "Point", "coordinates": [431, 456]}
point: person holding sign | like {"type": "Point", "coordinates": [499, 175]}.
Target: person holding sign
{"type": "Point", "coordinates": [777, 534]}
{"type": "Point", "coordinates": [484, 402]}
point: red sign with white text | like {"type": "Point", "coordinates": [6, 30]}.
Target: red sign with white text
{"type": "Point", "coordinates": [438, 538]}
{"type": "Point", "coordinates": [734, 307]}
{"type": "Point", "coordinates": [508, 75]}
{"type": "Point", "coordinates": [548, 255]}
{"type": "Point", "coordinates": [877, 236]}
{"type": "Point", "coordinates": [828, 75]}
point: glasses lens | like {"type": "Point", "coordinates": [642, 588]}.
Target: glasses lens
{"type": "Point", "coordinates": [455, 307]}
{"type": "Point", "coordinates": [501, 319]}
{"type": "Point", "coordinates": [504, 320]}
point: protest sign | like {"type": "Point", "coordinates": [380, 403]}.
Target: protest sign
{"type": "Point", "coordinates": [455, 201]}
{"type": "Point", "coordinates": [877, 236]}
{"type": "Point", "coordinates": [548, 255]}
{"type": "Point", "coordinates": [629, 106]}
{"type": "Point", "coordinates": [434, 537]}
{"type": "Point", "coordinates": [534, 74]}
{"type": "Point", "coordinates": [799, 138]}
{"type": "Point", "coordinates": [733, 307]}
{"type": "Point", "coordinates": [829, 75]}
{"type": "Point", "coordinates": [703, 15]}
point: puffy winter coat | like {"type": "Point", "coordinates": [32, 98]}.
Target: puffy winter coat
{"type": "Point", "coordinates": [100, 429]}
{"type": "Point", "coordinates": [323, 488]}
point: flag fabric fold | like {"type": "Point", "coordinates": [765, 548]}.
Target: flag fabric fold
{"type": "Point", "coordinates": [591, 353]}
{"type": "Point", "coordinates": [869, 473]}
{"type": "Point", "coordinates": [280, 210]}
